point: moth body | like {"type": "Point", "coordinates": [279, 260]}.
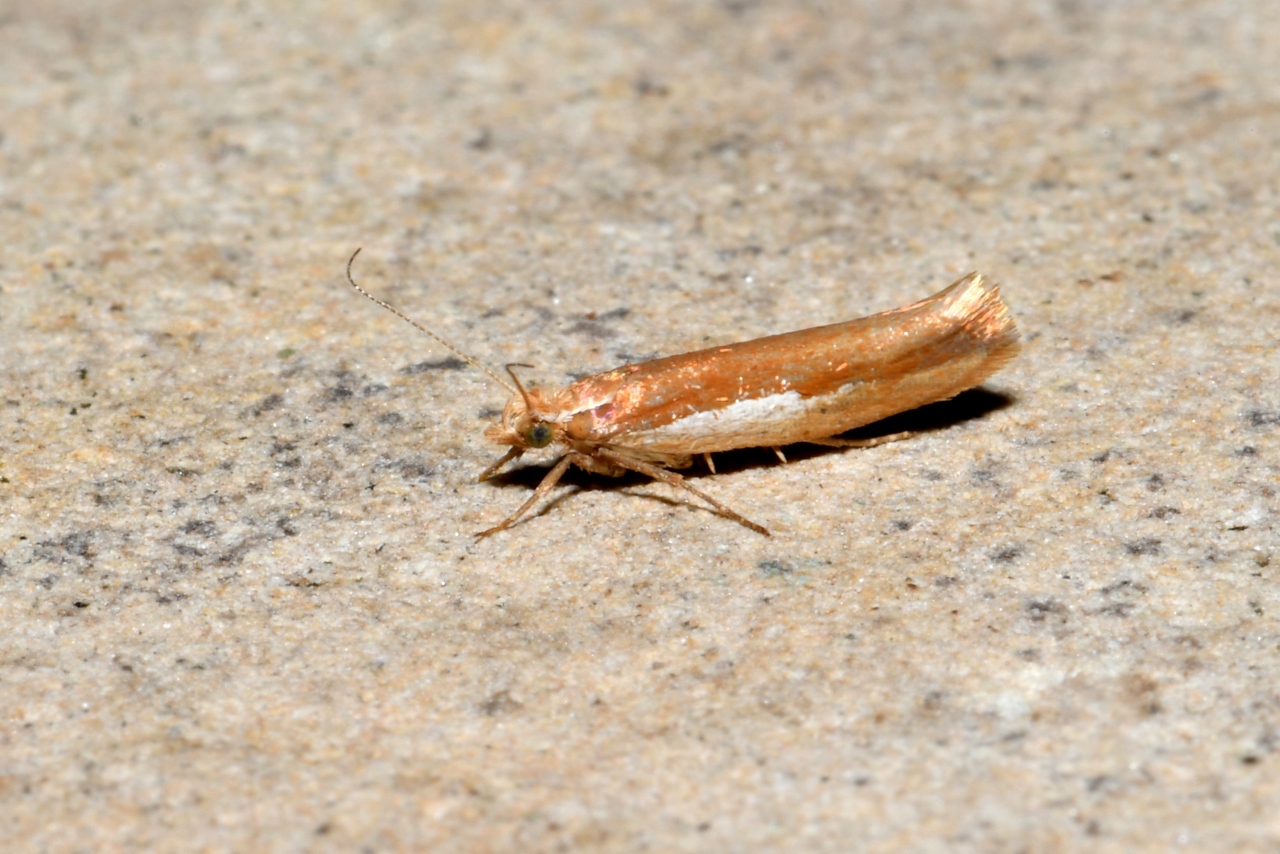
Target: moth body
{"type": "Point", "coordinates": [805, 386]}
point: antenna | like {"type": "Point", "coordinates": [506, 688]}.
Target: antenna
{"type": "Point", "coordinates": [528, 404]}
{"type": "Point", "coordinates": [418, 326]}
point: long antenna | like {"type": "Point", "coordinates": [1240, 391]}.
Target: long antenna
{"type": "Point", "coordinates": [527, 402]}
{"type": "Point", "coordinates": [418, 326]}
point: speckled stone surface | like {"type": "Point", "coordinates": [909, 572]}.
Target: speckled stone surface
{"type": "Point", "coordinates": [242, 608]}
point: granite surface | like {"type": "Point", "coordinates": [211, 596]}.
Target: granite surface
{"type": "Point", "coordinates": [242, 606]}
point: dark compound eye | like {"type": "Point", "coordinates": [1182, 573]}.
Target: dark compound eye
{"type": "Point", "coordinates": [539, 435]}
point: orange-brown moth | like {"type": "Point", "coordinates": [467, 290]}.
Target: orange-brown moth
{"type": "Point", "coordinates": [805, 386]}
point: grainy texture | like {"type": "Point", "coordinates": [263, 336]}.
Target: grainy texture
{"type": "Point", "coordinates": [242, 607]}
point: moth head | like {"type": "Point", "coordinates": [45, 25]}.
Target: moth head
{"type": "Point", "coordinates": [524, 424]}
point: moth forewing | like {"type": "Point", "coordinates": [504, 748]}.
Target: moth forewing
{"type": "Point", "coordinates": [804, 386]}
{"type": "Point", "coordinates": [794, 387]}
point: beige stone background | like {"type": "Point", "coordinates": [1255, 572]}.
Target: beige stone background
{"type": "Point", "coordinates": [242, 608]}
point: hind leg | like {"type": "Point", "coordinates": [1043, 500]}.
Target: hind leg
{"type": "Point", "coordinates": [673, 479]}
{"type": "Point", "coordinates": [861, 443]}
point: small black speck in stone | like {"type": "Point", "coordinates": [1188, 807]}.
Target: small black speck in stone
{"type": "Point", "coordinates": [902, 524]}
{"type": "Point", "coordinates": [1263, 417]}
{"type": "Point", "coordinates": [1008, 554]}
{"type": "Point", "coordinates": [268, 403]}
{"type": "Point", "coordinates": [1145, 546]}
{"type": "Point", "coordinates": [1041, 609]}
{"type": "Point", "coordinates": [415, 470]}
{"type": "Point", "coordinates": [201, 527]}
{"type": "Point", "coordinates": [774, 568]}
{"type": "Point", "coordinates": [500, 702]}
{"type": "Point", "coordinates": [449, 363]}
{"type": "Point", "coordinates": [1247, 451]}
{"type": "Point", "coordinates": [594, 327]}
{"type": "Point", "coordinates": [1123, 585]}
{"type": "Point", "coordinates": [77, 544]}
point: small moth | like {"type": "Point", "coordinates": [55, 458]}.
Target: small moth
{"type": "Point", "coordinates": [805, 386]}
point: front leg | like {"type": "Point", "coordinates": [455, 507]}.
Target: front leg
{"type": "Point", "coordinates": [511, 454]}
{"type": "Point", "coordinates": [553, 476]}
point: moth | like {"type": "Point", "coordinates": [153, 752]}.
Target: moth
{"type": "Point", "coordinates": [805, 386]}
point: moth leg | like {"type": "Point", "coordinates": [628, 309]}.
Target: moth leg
{"type": "Point", "coordinates": [553, 476]}
{"type": "Point", "coordinates": [510, 455]}
{"type": "Point", "coordinates": [782, 458]}
{"type": "Point", "coordinates": [711, 464]}
{"type": "Point", "coordinates": [672, 479]}
{"type": "Point", "coordinates": [862, 443]}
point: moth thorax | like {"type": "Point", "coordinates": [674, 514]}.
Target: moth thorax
{"type": "Point", "coordinates": [579, 427]}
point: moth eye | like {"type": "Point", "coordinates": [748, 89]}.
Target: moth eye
{"type": "Point", "coordinates": [539, 435]}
